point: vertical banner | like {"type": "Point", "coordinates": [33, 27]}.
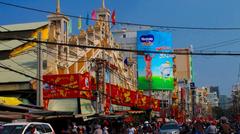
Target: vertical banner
{"type": "Point", "coordinates": [155, 71]}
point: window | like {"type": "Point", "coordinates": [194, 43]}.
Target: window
{"type": "Point", "coordinates": [65, 26]}
{"type": "Point", "coordinates": [163, 103]}
{"type": "Point", "coordinates": [47, 128]}
{"type": "Point", "coordinates": [40, 129]}
{"type": "Point", "coordinates": [29, 128]}
{"type": "Point", "coordinates": [124, 35]}
{"type": "Point", "coordinates": [13, 129]}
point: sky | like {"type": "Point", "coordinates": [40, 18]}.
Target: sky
{"type": "Point", "coordinates": [219, 71]}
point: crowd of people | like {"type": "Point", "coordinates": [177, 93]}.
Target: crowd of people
{"type": "Point", "coordinates": [211, 127]}
{"type": "Point", "coordinates": [189, 127]}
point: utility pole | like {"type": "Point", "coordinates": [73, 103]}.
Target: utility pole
{"type": "Point", "coordinates": [39, 73]}
{"type": "Point", "coordinates": [100, 80]}
{"type": "Point", "coordinates": [192, 88]}
{"type": "Point", "coordinates": [150, 94]}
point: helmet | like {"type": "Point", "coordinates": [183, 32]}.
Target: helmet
{"type": "Point", "coordinates": [146, 122]}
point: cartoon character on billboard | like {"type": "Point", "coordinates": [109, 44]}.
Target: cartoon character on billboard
{"type": "Point", "coordinates": [148, 61]}
{"type": "Point", "coordinates": [165, 69]}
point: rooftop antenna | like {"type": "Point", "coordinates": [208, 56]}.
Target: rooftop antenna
{"type": "Point", "coordinates": [58, 7]}
{"type": "Point", "coordinates": [103, 3]}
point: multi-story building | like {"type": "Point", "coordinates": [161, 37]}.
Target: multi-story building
{"type": "Point", "coordinates": [62, 59]}
{"type": "Point", "coordinates": [214, 89]}
{"type": "Point", "coordinates": [236, 97]}
{"type": "Point", "coordinates": [201, 102]}
{"type": "Point", "coordinates": [225, 102]}
{"type": "Point", "coordinates": [213, 98]}
{"type": "Point", "coordinates": [184, 76]}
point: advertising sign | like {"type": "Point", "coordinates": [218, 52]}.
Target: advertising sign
{"type": "Point", "coordinates": [155, 70]}
{"type": "Point", "coordinates": [67, 86]}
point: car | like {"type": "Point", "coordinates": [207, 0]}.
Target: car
{"type": "Point", "coordinates": [169, 128]}
{"type": "Point", "coordinates": [27, 128]}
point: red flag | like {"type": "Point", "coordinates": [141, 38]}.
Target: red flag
{"type": "Point", "coordinates": [94, 16]}
{"type": "Point", "coordinates": [113, 17]}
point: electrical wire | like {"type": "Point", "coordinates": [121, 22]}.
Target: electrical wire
{"type": "Point", "coordinates": [124, 23]}
{"type": "Point", "coordinates": [138, 52]}
{"type": "Point", "coordinates": [71, 56]}
{"type": "Point", "coordinates": [221, 44]}
{"type": "Point", "coordinates": [26, 75]}
{"type": "Point", "coordinates": [64, 58]}
{"type": "Point", "coordinates": [4, 28]}
{"type": "Point", "coordinates": [120, 76]}
{"type": "Point", "coordinates": [214, 44]}
{"type": "Point", "coordinates": [18, 63]}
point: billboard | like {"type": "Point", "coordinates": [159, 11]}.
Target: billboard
{"type": "Point", "coordinates": [155, 71]}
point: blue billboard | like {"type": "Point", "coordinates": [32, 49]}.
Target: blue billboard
{"type": "Point", "coordinates": [155, 70]}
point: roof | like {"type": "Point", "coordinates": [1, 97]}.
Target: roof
{"type": "Point", "coordinates": [25, 63]}
{"type": "Point", "coordinates": [22, 27]}
{"type": "Point", "coordinates": [10, 44]}
{"type": "Point", "coordinates": [17, 123]}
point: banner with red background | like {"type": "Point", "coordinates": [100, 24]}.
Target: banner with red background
{"type": "Point", "coordinates": [80, 86]}
{"type": "Point", "coordinates": [67, 86]}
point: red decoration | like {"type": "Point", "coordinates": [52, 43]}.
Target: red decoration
{"type": "Point", "coordinates": [67, 86]}
{"type": "Point", "coordinates": [113, 17]}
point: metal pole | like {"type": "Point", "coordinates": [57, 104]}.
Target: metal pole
{"type": "Point", "coordinates": [110, 82]}
{"type": "Point", "coordinates": [39, 73]}
{"type": "Point", "coordinates": [193, 102]}
{"type": "Point", "coordinates": [97, 86]}
{"type": "Point", "coordinates": [150, 94]}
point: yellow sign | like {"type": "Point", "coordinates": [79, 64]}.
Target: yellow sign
{"type": "Point", "coordinates": [10, 101]}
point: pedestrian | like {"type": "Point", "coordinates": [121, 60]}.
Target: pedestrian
{"type": "Point", "coordinates": [212, 129]}
{"type": "Point", "coordinates": [98, 130]}
{"type": "Point", "coordinates": [225, 128]}
{"type": "Point", "coordinates": [131, 129]}
{"type": "Point", "coordinates": [105, 130]}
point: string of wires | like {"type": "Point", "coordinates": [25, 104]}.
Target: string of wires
{"type": "Point", "coordinates": [57, 85]}
{"type": "Point", "coordinates": [218, 44]}
{"type": "Point", "coordinates": [123, 23]}
{"type": "Point", "coordinates": [138, 52]}
{"type": "Point", "coordinates": [34, 78]}
{"type": "Point", "coordinates": [120, 76]}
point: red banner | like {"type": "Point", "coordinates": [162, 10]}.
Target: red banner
{"type": "Point", "coordinates": [155, 104]}
{"type": "Point", "coordinates": [143, 102]}
{"type": "Point", "coordinates": [67, 86]}
{"type": "Point", "coordinates": [80, 86]}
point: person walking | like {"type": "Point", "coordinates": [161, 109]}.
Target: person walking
{"type": "Point", "coordinates": [212, 129]}
{"type": "Point", "coordinates": [225, 128]}
{"type": "Point", "coordinates": [98, 130]}
{"type": "Point", "coordinates": [105, 130]}
{"type": "Point", "coordinates": [131, 129]}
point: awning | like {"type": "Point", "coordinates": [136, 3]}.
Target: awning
{"type": "Point", "coordinates": [13, 101]}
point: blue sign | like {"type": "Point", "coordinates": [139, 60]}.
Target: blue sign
{"type": "Point", "coordinates": [155, 71]}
